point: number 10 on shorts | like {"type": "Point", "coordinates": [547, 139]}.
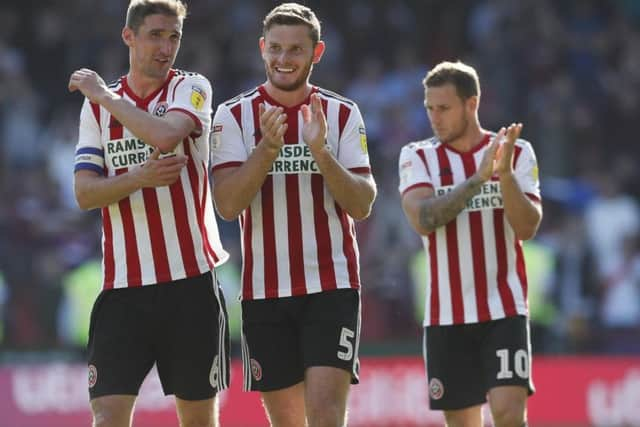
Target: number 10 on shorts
{"type": "Point", "coordinates": [520, 364]}
{"type": "Point", "coordinates": [346, 336]}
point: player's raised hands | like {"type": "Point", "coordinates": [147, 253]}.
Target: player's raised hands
{"type": "Point", "coordinates": [89, 83]}
{"type": "Point", "coordinates": [486, 167]}
{"type": "Point", "coordinates": [157, 172]}
{"type": "Point", "coordinates": [314, 128]}
{"type": "Point", "coordinates": [273, 126]}
{"type": "Point", "coordinates": [504, 156]}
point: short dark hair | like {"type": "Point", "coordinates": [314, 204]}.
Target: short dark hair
{"type": "Point", "coordinates": [464, 77]}
{"type": "Point", "coordinates": [293, 14]}
{"type": "Point", "coordinates": [140, 9]}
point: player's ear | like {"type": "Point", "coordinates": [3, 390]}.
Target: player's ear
{"type": "Point", "coordinates": [127, 36]}
{"type": "Point", "coordinates": [318, 51]}
{"type": "Point", "coordinates": [472, 103]}
{"type": "Point", "coordinates": [261, 45]}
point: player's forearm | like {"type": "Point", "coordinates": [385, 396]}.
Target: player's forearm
{"type": "Point", "coordinates": [353, 192]}
{"type": "Point", "coordinates": [152, 130]}
{"type": "Point", "coordinates": [523, 214]}
{"type": "Point", "coordinates": [94, 191]}
{"type": "Point", "coordinates": [234, 191]}
{"type": "Point", "coordinates": [437, 211]}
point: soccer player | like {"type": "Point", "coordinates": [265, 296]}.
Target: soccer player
{"type": "Point", "coordinates": [473, 196]}
{"type": "Point", "coordinates": [143, 158]}
{"type": "Point", "coordinates": [291, 160]}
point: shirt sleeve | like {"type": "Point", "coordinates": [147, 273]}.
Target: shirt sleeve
{"type": "Point", "coordinates": [227, 144]}
{"type": "Point", "coordinates": [526, 171]}
{"type": "Point", "coordinates": [413, 172]}
{"type": "Point", "coordinates": [353, 153]}
{"type": "Point", "coordinates": [193, 96]}
{"type": "Point", "coordinates": [89, 150]}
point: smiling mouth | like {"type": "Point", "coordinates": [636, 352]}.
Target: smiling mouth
{"type": "Point", "coordinates": [284, 70]}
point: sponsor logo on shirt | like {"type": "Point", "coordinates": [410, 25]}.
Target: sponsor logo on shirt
{"type": "Point", "coordinates": [293, 159]}
{"type": "Point", "coordinates": [490, 197]}
{"type": "Point", "coordinates": [363, 139]}
{"type": "Point", "coordinates": [198, 96]}
{"type": "Point", "coordinates": [127, 152]}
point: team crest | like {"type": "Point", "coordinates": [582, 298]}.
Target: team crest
{"type": "Point", "coordinates": [436, 389]}
{"type": "Point", "coordinates": [198, 97]}
{"type": "Point", "coordinates": [160, 109]}
{"type": "Point", "coordinates": [363, 139]}
{"type": "Point", "coordinates": [256, 369]}
{"type": "Point", "coordinates": [93, 376]}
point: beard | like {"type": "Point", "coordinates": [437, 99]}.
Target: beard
{"type": "Point", "coordinates": [456, 133]}
{"type": "Point", "coordinates": [293, 86]}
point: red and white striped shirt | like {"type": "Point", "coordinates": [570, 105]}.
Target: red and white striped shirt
{"type": "Point", "coordinates": [296, 240]}
{"type": "Point", "coordinates": [160, 234]}
{"type": "Point", "coordinates": [475, 264]}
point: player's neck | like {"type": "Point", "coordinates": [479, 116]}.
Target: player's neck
{"type": "Point", "coordinates": [467, 142]}
{"type": "Point", "coordinates": [143, 85]}
{"type": "Point", "coordinates": [288, 98]}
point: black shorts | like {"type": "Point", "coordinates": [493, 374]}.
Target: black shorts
{"type": "Point", "coordinates": [282, 337]}
{"type": "Point", "coordinates": [181, 326]}
{"type": "Point", "coordinates": [465, 361]}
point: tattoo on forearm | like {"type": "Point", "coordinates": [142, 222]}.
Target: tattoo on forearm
{"type": "Point", "coordinates": [438, 211]}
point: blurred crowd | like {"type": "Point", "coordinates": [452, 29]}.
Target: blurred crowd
{"type": "Point", "coordinates": [570, 71]}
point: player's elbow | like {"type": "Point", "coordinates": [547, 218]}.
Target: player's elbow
{"type": "Point", "coordinates": [84, 201]}
{"type": "Point", "coordinates": [225, 210]}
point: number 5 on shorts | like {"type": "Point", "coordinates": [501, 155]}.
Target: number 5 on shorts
{"type": "Point", "coordinates": [345, 336]}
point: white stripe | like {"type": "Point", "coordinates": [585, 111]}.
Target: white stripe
{"type": "Point", "coordinates": [428, 282]}
{"type": "Point", "coordinates": [309, 245]}
{"type": "Point", "coordinates": [142, 238]}
{"type": "Point", "coordinates": [168, 219]}
{"type": "Point", "coordinates": [465, 257]}
{"type": "Point", "coordinates": [444, 282]}
{"type": "Point", "coordinates": [257, 247]}
{"type": "Point", "coordinates": [355, 369]}
{"type": "Point", "coordinates": [281, 235]}
{"type": "Point", "coordinates": [513, 279]}
{"type": "Point", "coordinates": [192, 214]}
{"type": "Point", "coordinates": [491, 261]}
{"type": "Point", "coordinates": [120, 273]}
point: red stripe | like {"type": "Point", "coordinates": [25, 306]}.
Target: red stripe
{"type": "Point", "coordinates": [343, 116]}
{"type": "Point", "coordinates": [521, 270]}
{"type": "Point", "coordinates": [96, 113]}
{"type": "Point", "coordinates": [201, 215]}
{"type": "Point", "coordinates": [434, 287]}
{"type": "Point", "coordinates": [420, 185]}
{"type": "Point", "coordinates": [348, 242]}
{"type": "Point", "coordinates": [107, 250]}
{"type": "Point", "coordinates": [247, 259]}
{"type": "Point", "coordinates": [269, 240]}
{"type": "Point", "coordinates": [185, 239]}
{"type": "Point", "coordinates": [199, 200]}
{"type": "Point", "coordinates": [361, 170]}
{"type": "Point", "coordinates": [477, 250]}
{"type": "Point", "coordinates": [236, 111]}
{"type": "Point", "coordinates": [134, 275]}
{"type": "Point", "coordinates": [451, 231]}
{"type": "Point", "coordinates": [156, 234]}
{"type": "Point", "coordinates": [506, 296]}
{"type": "Point", "coordinates": [173, 94]}
{"type": "Point", "coordinates": [294, 218]}
{"type": "Point", "coordinates": [227, 165]}
{"type": "Point", "coordinates": [423, 157]}
{"type": "Point", "coordinates": [323, 236]}
{"type": "Point", "coordinates": [516, 155]}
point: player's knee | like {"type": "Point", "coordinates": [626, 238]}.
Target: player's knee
{"type": "Point", "coordinates": [508, 414]}
{"type": "Point", "coordinates": [325, 413]}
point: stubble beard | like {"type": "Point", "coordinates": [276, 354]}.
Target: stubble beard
{"type": "Point", "coordinates": [291, 87]}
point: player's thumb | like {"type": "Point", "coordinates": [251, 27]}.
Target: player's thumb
{"type": "Point", "coordinates": [155, 154]}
